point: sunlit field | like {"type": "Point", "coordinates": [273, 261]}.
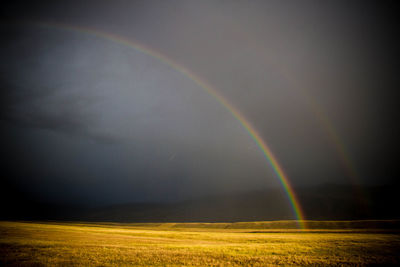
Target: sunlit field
{"type": "Point", "coordinates": [256, 244]}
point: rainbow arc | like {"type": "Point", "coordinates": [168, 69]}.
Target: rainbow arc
{"type": "Point", "coordinates": [244, 122]}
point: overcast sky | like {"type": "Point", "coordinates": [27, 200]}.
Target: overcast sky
{"type": "Point", "coordinates": [86, 119]}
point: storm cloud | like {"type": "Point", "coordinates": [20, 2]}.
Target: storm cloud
{"type": "Point", "coordinates": [85, 118]}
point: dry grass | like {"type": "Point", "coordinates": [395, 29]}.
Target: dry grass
{"type": "Point", "coordinates": [66, 244]}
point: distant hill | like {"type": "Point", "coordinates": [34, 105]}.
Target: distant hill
{"type": "Point", "coordinates": [325, 202]}
{"type": "Point", "coordinates": [345, 202]}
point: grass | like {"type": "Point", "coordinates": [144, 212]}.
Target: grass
{"type": "Point", "coordinates": [196, 244]}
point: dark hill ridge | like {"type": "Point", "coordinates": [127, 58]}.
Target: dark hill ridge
{"type": "Point", "coordinates": [327, 202]}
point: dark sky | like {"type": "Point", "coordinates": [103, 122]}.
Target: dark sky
{"type": "Point", "coordinates": [84, 119]}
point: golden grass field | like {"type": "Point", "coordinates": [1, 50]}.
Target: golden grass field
{"type": "Point", "coordinates": [197, 244]}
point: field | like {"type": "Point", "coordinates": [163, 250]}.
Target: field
{"type": "Point", "coordinates": [197, 244]}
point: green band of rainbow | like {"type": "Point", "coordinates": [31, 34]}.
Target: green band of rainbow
{"type": "Point", "coordinates": [222, 100]}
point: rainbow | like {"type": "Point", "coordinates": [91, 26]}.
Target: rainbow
{"type": "Point", "coordinates": [339, 146]}
{"type": "Point", "coordinates": [250, 129]}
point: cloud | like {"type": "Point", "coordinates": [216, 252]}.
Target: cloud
{"type": "Point", "coordinates": [48, 108]}
{"type": "Point", "coordinates": [66, 95]}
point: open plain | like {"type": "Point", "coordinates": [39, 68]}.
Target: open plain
{"type": "Point", "coordinates": [196, 244]}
